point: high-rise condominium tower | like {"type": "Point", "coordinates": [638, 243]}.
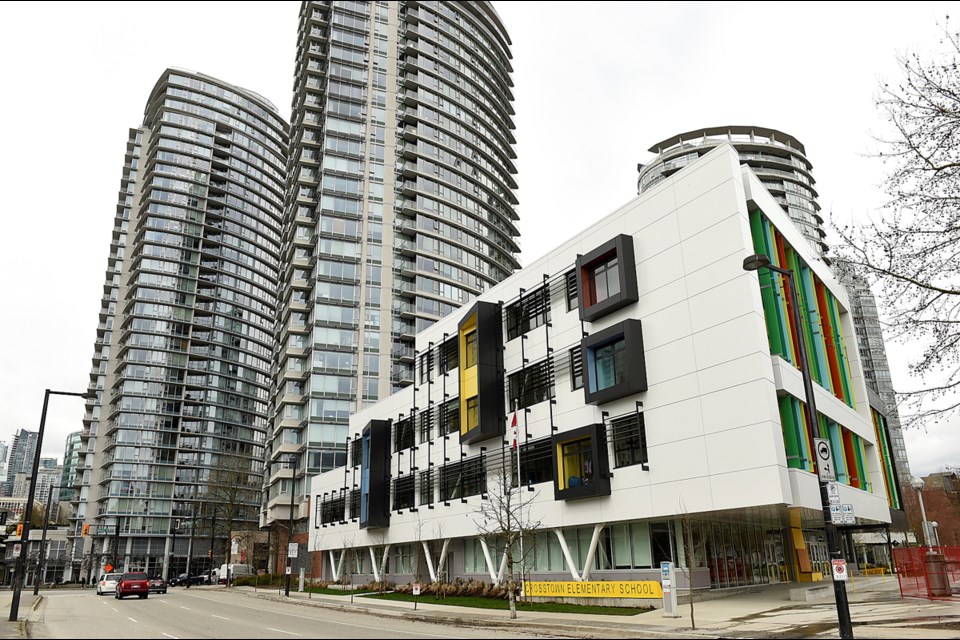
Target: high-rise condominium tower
{"type": "Point", "coordinates": [400, 208]}
{"type": "Point", "coordinates": [71, 455]}
{"type": "Point", "coordinates": [22, 452]}
{"type": "Point", "coordinates": [182, 360]}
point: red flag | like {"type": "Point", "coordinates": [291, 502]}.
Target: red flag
{"type": "Point", "coordinates": [514, 427]}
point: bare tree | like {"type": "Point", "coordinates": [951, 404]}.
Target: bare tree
{"type": "Point", "coordinates": [505, 517]}
{"type": "Point", "coordinates": [694, 543]}
{"type": "Point", "coordinates": [234, 490]}
{"type": "Point", "coordinates": [911, 250]}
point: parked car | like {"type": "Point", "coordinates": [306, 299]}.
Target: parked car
{"type": "Point", "coordinates": [133, 584]}
{"type": "Point", "coordinates": [158, 585]}
{"type": "Point", "coordinates": [108, 583]}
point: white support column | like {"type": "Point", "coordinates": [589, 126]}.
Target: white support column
{"type": "Point", "coordinates": [503, 567]}
{"type": "Point", "coordinates": [486, 556]}
{"type": "Point", "coordinates": [333, 565]}
{"type": "Point", "coordinates": [574, 570]}
{"type": "Point", "coordinates": [383, 561]}
{"type": "Point", "coordinates": [374, 565]}
{"type": "Point", "coordinates": [441, 566]}
{"type": "Point", "coordinates": [597, 528]}
{"type": "Point", "coordinates": [426, 554]}
{"type": "Point", "coordinates": [343, 557]}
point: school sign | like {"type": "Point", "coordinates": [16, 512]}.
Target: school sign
{"type": "Point", "coordinates": [606, 589]}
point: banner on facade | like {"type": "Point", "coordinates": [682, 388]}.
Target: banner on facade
{"type": "Point", "coordinates": [605, 589]}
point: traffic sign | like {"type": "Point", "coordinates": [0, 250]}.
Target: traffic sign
{"type": "Point", "coordinates": [416, 588]}
{"type": "Point", "coordinates": [289, 570]}
{"type": "Point", "coordinates": [833, 492]}
{"type": "Point", "coordinates": [840, 569]}
{"type": "Point", "coordinates": [848, 515]}
{"type": "Point", "coordinates": [16, 549]}
{"type": "Point", "coordinates": [825, 469]}
{"type": "Point", "coordinates": [292, 550]}
{"type": "Point", "coordinates": [836, 515]}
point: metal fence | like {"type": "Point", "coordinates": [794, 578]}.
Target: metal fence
{"type": "Point", "coordinates": [928, 572]}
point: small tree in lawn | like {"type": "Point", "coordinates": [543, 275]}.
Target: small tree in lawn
{"type": "Point", "coordinates": [693, 544]}
{"type": "Point", "coordinates": [505, 517]}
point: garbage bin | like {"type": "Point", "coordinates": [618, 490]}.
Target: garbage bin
{"type": "Point", "coordinates": [934, 565]}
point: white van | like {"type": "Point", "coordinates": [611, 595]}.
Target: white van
{"type": "Point", "coordinates": [236, 571]}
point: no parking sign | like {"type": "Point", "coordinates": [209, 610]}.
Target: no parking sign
{"type": "Point", "coordinates": [840, 569]}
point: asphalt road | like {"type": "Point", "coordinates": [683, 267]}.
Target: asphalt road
{"type": "Point", "coordinates": [209, 613]}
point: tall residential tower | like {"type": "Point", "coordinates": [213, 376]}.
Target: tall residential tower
{"type": "Point", "coordinates": [182, 361]}
{"type": "Point", "coordinates": [400, 209]}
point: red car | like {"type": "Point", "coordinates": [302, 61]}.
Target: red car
{"type": "Point", "coordinates": [133, 584]}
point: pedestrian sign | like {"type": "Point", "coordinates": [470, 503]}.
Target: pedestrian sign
{"type": "Point", "coordinates": [840, 569]}
{"type": "Point", "coordinates": [836, 516]}
{"type": "Point", "coordinates": [848, 515]}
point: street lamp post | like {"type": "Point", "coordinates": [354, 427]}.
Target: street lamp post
{"type": "Point", "coordinates": [293, 461]}
{"type": "Point", "coordinates": [43, 540]}
{"type": "Point", "coordinates": [28, 510]}
{"type": "Point", "coordinates": [917, 484]}
{"type": "Point", "coordinates": [760, 261]}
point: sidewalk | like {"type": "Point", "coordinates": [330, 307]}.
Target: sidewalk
{"type": "Point", "coordinates": [876, 608]}
{"type": "Point", "coordinates": [28, 602]}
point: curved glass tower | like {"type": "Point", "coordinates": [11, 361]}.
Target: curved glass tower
{"type": "Point", "coordinates": [778, 159]}
{"type": "Point", "coordinates": [400, 208]}
{"type": "Point", "coordinates": [175, 439]}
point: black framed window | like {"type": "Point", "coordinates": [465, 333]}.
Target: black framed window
{"type": "Point", "coordinates": [425, 424]}
{"type": "Point", "coordinates": [473, 413]}
{"type": "Point", "coordinates": [332, 510]}
{"type": "Point", "coordinates": [450, 417]}
{"type": "Point", "coordinates": [536, 462]}
{"type": "Point", "coordinates": [426, 487]}
{"type": "Point", "coordinates": [356, 452]}
{"type": "Point", "coordinates": [576, 368]}
{"type": "Point", "coordinates": [609, 367]}
{"type": "Point", "coordinates": [570, 284]}
{"type": "Point", "coordinates": [354, 504]}
{"type": "Point", "coordinates": [607, 278]}
{"type": "Point", "coordinates": [462, 479]}
{"type": "Point", "coordinates": [582, 463]}
{"type": "Point", "coordinates": [530, 312]}
{"type": "Point", "coordinates": [403, 434]}
{"type": "Point", "coordinates": [531, 385]}
{"type": "Point", "coordinates": [576, 463]}
{"type": "Point", "coordinates": [629, 436]}
{"type": "Point", "coordinates": [403, 492]}
{"type": "Point", "coordinates": [449, 355]}
{"type": "Point", "coordinates": [470, 350]}
{"type": "Point", "coordinates": [425, 366]}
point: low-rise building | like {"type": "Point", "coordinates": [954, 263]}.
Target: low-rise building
{"type": "Point", "coordinates": [659, 411]}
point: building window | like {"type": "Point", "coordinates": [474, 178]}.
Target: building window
{"type": "Point", "coordinates": [532, 311]}
{"type": "Point", "coordinates": [403, 492]}
{"type": "Point", "coordinates": [472, 413]}
{"type": "Point", "coordinates": [426, 366]}
{"type": "Point", "coordinates": [629, 436]}
{"type": "Point", "coordinates": [354, 504]}
{"type": "Point", "coordinates": [531, 385]}
{"type": "Point", "coordinates": [462, 479]}
{"type": "Point", "coordinates": [576, 463]}
{"type": "Point", "coordinates": [403, 434]}
{"type": "Point", "coordinates": [582, 463]}
{"type": "Point", "coordinates": [614, 364]}
{"type": "Point", "coordinates": [449, 355]}
{"type": "Point", "coordinates": [356, 452]}
{"type": "Point", "coordinates": [604, 279]}
{"type": "Point", "coordinates": [425, 424]}
{"type": "Point", "coordinates": [332, 510]}
{"type": "Point", "coordinates": [536, 462]}
{"type": "Point", "coordinates": [607, 278]}
{"type": "Point", "coordinates": [450, 417]}
{"type": "Point", "coordinates": [570, 283]}
{"type": "Point", "coordinates": [426, 487]}
{"type": "Point", "coordinates": [608, 362]}
{"type": "Point", "coordinates": [576, 368]}
{"type": "Point", "coordinates": [470, 351]}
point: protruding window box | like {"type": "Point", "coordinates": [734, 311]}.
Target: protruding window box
{"type": "Point", "coordinates": [375, 475]}
{"type": "Point", "coordinates": [583, 466]}
{"type": "Point", "coordinates": [481, 374]}
{"type": "Point", "coordinates": [614, 365]}
{"type": "Point", "coordinates": [607, 278]}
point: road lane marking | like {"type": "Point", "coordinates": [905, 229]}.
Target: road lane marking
{"type": "Point", "coordinates": [130, 619]}
{"type": "Point", "coordinates": [115, 610]}
{"type": "Point", "coordinates": [319, 619]}
{"type": "Point", "coordinates": [169, 636]}
{"type": "Point", "coordinates": [282, 631]}
{"type": "Point", "coordinates": [187, 608]}
{"type": "Point", "coordinates": [221, 617]}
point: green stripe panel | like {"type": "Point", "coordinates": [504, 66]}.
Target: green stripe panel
{"type": "Point", "coordinates": [769, 292]}
{"type": "Point", "coordinates": [836, 444]}
{"type": "Point", "coordinates": [791, 433]}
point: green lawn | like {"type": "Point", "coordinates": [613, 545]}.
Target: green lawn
{"type": "Point", "coordinates": [496, 603]}
{"type": "Point", "coordinates": [335, 592]}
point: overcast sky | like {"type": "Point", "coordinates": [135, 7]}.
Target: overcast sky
{"type": "Point", "coordinates": [596, 85]}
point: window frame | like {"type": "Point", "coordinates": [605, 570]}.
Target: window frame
{"type": "Point", "coordinates": [619, 249]}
